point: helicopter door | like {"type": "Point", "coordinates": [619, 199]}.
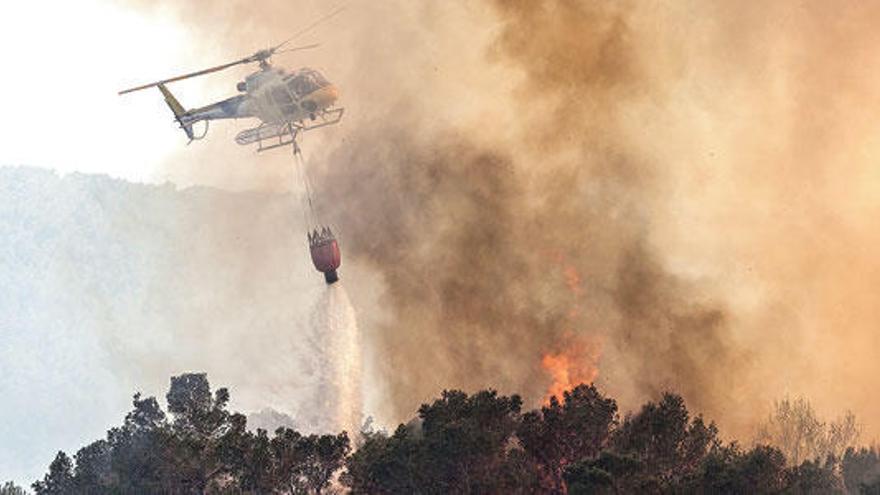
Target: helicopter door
{"type": "Point", "coordinates": [284, 100]}
{"type": "Point", "coordinates": [268, 110]}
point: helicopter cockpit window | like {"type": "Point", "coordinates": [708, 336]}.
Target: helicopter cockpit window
{"type": "Point", "coordinates": [318, 79]}
{"type": "Point", "coordinates": [306, 82]}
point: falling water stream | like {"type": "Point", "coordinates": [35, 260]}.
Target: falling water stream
{"type": "Point", "coordinates": [337, 348]}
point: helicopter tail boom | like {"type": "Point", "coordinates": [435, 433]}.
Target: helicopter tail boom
{"type": "Point", "coordinates": [178, 110]}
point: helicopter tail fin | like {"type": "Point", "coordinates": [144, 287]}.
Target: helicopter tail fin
{"type": "Point", "coordinates": [178, 111]}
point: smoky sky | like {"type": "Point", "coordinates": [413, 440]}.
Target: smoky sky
{"type": "Point", "coordinates": [707, 169]}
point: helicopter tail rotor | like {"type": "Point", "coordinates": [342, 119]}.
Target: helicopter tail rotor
{"type": "Point", "coordinates": [178, 110]}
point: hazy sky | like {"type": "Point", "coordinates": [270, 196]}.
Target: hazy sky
{"type": "Point", "coordinates": [65, 63]}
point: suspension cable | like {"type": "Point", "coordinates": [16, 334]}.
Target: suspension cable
{"type": "Point", "coordinates": [309, 212]}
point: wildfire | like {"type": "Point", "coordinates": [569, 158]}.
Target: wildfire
{"type": "Point", "coordinates": [577, 360]}
{"type": "Point", "coordinates": [571, 367]}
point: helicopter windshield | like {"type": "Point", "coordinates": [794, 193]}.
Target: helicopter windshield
{"type": "Point", "coordinates": [305, 81]}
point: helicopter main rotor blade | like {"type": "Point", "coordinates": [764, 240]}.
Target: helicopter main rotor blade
{"type": "Point", "coordinates": [191, 74]}
{"type": "Point", "coordinates": [311, 26]}
{"type": "Point", "coordinates": [298, 48]}
{"type": "Point", "coordinates": [260, 56]}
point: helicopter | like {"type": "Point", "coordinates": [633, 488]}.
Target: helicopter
{"type": "Point", "coordinates": [285, 102]}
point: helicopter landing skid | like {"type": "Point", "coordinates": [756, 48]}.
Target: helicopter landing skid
{"type": "Point", "coordinates": [323, 119]}
{"type": "Point", "coordinates": [285, 133]}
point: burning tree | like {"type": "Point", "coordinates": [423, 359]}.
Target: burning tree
{"type": "Point", "coordinates": [563, 433]}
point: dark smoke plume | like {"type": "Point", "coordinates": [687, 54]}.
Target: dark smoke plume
{"type": "Point", "coordinates": [687, 187]}
{"type": "Point", "coordinates": [470, 237]}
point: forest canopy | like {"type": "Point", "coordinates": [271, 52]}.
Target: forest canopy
{"type": "Point", "coordinates": [463, 443]}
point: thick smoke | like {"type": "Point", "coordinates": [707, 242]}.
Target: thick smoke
{"type": "Point", "coordinates": [703, 168]}
{"type": "Point", "coordinates": [472, 236]}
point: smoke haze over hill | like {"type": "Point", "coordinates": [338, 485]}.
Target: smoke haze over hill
{"type": "Point", "coordinates": [110, 287]}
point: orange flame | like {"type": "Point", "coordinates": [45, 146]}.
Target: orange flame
{"type": "Point", "coordinates": [571, 367]}
{"type": "Point", "coordinates": [577, 362]}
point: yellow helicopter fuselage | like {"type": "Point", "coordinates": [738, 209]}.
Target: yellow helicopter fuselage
{"type": "Point", "coordinates": [276, 96]}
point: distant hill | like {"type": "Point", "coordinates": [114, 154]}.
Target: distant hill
{"type": "Point", "coordinates": [108, 287]}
